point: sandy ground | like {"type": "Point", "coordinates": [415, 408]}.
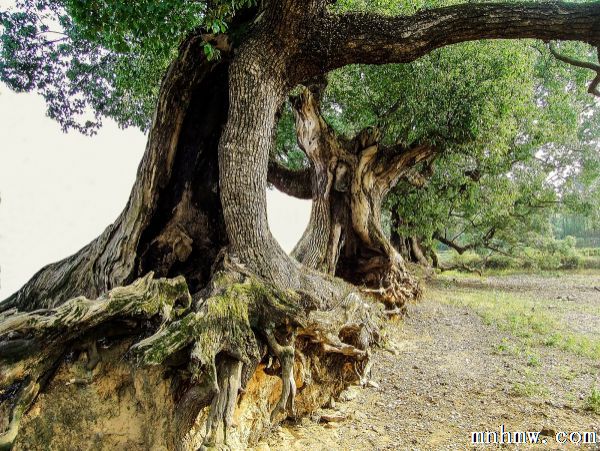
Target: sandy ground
{"type": "Point", "coordinates": [442, 376]}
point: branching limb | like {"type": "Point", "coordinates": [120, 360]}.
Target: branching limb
{"type": "Point", "coordinates": [400, 161]}
{"type": "Point", "coordinates": [593, 88]}
{"type": "Point", "coordinates": [296, 183]}
{"type": "Point", "coordinates": [359, 38]}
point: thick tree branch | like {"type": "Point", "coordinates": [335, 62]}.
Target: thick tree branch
{"type": "Point", "coordinates": [295, 183]}
{"type": "Point", "coordinates": [400, 160]}
{"type": "Point", "coordinates": [375, 39]}
{"type": "Point", "coordinates": [458, 248]}
{"type": "Point", "coordinates": [484, 242]}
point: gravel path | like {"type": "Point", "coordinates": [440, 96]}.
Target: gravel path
{"type": "Point", "coordinates": [441, 377]}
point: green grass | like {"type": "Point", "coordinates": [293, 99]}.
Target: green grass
{"type": "Point", "coordinates": [523, 317]}
{"type": "Point", "coordinates": [592, 402]}
{"type": "Point", "coordinates": [567, 373]}
{"type": "Point", "coordinates": [528, 389]}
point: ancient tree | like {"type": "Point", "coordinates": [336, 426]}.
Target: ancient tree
{"type": "Point", "coordinates": [349, 180]}
{"type": "Point", "coordinates": [105, 328]}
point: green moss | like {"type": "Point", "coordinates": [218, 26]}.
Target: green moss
{"type": "Point", "coordinates": [224, 323]}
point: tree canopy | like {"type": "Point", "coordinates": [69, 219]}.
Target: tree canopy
{"type": "Point", "coordinates": [546, 163]}
{"type": "Point", "coordinates": [91, 60]}
{"type": "Point", "coordinates": [494, 108]}
{"type": "Point", "coordinates": [98, 59]}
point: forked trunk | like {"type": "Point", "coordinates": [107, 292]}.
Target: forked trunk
{"type": "Point", "coordinates": [350, 179]}
{"type": "Point", "coordinates": [149, 365]}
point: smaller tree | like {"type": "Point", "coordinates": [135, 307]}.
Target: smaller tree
{"type": "Point", "coordinates": [482, 203]}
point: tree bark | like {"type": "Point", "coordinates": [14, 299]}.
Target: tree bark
{"type": "Point", "coordinates": [350, 180]}
{"type": "Point", "coordinates": [363, 38]}
{"type": "Point", "coordinates": [172, 223]}
{"type": "Point", "coordinates": [264, 70]}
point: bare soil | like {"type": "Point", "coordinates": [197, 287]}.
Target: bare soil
{"type": "Point", "coordinates": [442, 376]}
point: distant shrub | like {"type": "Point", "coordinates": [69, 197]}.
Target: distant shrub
{"type": "Point", "coordinates": [549, 254]}
{"type": "Point", "coordinates": [571, 262]}
{"type": "Point", "coordinates": [468, 259]}
{"type": "Point", "coordinates": [590, 262]}
{"type": "Point", "coordinates": [589, 251]}
{"type": "Point", "coordinates": [498, 261]}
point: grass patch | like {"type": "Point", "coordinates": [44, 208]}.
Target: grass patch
{"type": "Point", "coordinates": [528, 389]}
{"type": "Point", "coordinates": [567, 373]}
{"type": "Point", "coordinates": [456, 274]}
{"type": "Point", "coordinates": [529, 356]}
{"type": "Point", "coordinates": [523, 317]}
{"type": "Point", "coordinates": [592, 402]}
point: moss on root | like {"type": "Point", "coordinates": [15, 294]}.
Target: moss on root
{"type": "Point", "coordinates": [208, 349]}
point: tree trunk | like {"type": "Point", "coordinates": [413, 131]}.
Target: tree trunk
{"type": "Point", "coordinates": [410, 247]}
{"type": "Point", "coordinates": [172, 223]}
{"type": "Point", "coordinates": [350, 179]}
{"type": "Point", "coordinates": [165, 368]}
{"type": "Point", "coordinates": [264, 70]}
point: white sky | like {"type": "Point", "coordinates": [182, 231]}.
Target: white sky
{"type": "Point", "coordinates": [59, 191]}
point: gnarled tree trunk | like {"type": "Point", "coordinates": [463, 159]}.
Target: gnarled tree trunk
{"type": "Point", "coordinates": [350, 178]}
{"type": "Point", "coordinates": [173, 222]}
{"type": "Point", "coordinates": [174, 366]}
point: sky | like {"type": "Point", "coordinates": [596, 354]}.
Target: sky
{"type": "Point", "coordinates": [59, 191]}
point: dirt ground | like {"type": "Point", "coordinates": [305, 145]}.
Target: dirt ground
{"type": "Point", "coordinates": [444, 373]}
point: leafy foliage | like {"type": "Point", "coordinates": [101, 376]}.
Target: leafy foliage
{"type": "Point", "coordinates": [542, 160]}
{"type": "Point", "coordinates": [94, 59]}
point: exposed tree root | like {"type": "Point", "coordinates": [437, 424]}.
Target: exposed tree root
{"type": "Point", "coordinates": [214, 344]}
{"type": "Point", "coordinates": [285, 354]}
{"type": "Point", "coordinates": [394, 286]}
{"type": "Point", "coordinates": [224, 401]}
{"type": "Point", "coordinates": [32, 343]}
